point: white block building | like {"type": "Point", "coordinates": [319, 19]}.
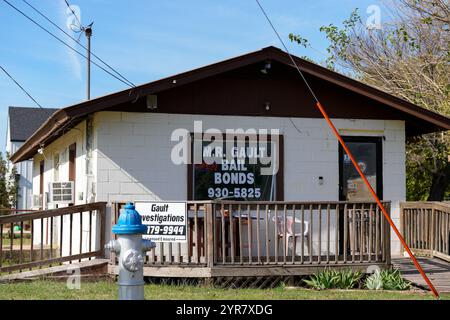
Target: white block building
{"type": "Point", "coordinates": [118, 148]}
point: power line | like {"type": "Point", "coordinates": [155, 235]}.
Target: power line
{"type": "Point", "coordinates": [355, 163]}
{"type": "Point", "coordinates": [22, 88]}
{"type": "Point", "coordinates": [26, 92]}
{"type": "Point", "coordinates": [77, 41]}
{"type": "Point", "coordinates": [65, 43]}
{"type": "Point", "coordinates": [287, 50]}
{"type": "Point", "coordinates": [49, 112]}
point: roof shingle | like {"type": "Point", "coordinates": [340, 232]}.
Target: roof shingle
{"type": "Point", "coordinates": [23, 122]}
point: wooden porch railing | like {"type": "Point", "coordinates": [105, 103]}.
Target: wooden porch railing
{"type": "Point", "coordinates": [300, 233]}
{"type": "Point", "coordinates": [51, 237]}
{"type": "Point", "coordinates": [426, 228]}
{"type": "Point", "coordinates": [231, 233]}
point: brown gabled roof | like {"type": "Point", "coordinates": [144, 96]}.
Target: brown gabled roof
{"type": "Point", "coordinates": [68, 116]}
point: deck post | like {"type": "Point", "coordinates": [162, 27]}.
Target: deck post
{"type": "Point", "coordinates": [114, 214]}
{"type": "Point", "coordinates": [102, 218]}
{"type": "Point", "coordinates": [432, 231]}
{"type": "Point", "coordinates": [388, 236]}
{"type": "Point", "coordinates": [402, 226]}
{"type": "Point", "coordinates": [209, 214]}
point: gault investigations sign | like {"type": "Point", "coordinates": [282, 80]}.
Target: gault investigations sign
{"type": "Point", "coordinates": [165, 221]}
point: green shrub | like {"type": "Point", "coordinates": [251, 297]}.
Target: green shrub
{"type": "Point", "coordinates": [393, 280]}
{"type": "Point", "coordinates": [333, 279]}
{"type": "Point", "coordinates": [322, 280]}
{"type": "Point", "coordinates": [348, 279]}
{"type": "Point", "coordinates": [387, 280]}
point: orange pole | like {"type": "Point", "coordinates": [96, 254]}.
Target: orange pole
{"type": "Point", "coordinates": [341, 141]}
{"type": "Point", "coordinates": [386, 215]}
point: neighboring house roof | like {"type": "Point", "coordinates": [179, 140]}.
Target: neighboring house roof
{"type": "Point", "coordinates": [23, 122]}
{"type": "Point", "coordinates": [418, 120]}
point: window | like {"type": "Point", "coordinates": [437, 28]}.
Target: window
{"type": "Point", "coordinates": [246, 168]}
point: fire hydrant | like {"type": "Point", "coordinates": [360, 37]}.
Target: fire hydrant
{"type": "Point", "coordinates": [131, 249]}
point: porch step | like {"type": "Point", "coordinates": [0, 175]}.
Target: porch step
{"type": "Point", "coordinates": [88, 269]}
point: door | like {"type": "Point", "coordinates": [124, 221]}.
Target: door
{"type": "Point", "coordinates": [42, 195]}
{"type": "Point", "coordinates": [41, 180]}
{"type": "Point", "coordinates": [73, 165]}
{"type": "Point", "coordinates": [368, 153]}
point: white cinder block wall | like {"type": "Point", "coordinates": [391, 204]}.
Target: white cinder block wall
{"type": "Point", "coordinates": [133, 156]}
{"type": "Point", "coordinates": [131, 160]}
{"type": "Point", "coordinates": [61, 146]}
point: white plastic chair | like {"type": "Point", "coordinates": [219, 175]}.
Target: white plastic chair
{"type": "Point", "coordinates": [290, 231]}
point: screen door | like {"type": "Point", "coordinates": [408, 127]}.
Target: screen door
{"type": "Point", "coordinates": [367, 152]}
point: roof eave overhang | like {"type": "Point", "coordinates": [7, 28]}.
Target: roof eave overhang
{"type": "Point", "coordinates": [67, 115]}
{"type": "Point", "coordinates": [30, 147]}
{"type": "Point", "coordinates": [370, 92]}
{"type": "Point", "coordinates": [46, 130]}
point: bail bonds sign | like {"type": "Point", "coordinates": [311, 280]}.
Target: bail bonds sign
{"type": "Point", "coordinates": [165, 221]}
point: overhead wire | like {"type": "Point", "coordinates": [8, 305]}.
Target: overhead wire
{"type": "Point", "coordinates": [26, 92]}
{"type": "Point", "coordinates": [21, 87]}
{"type": "Point", "coordinates": [124, 80]}
{"type": "Point", "coordinates": [65, 43]}
{"type": "Point", "coordinates": [352, 158]}
{"type": "Point", "coordinates": [78, 40]}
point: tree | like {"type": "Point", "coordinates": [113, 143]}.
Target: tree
{"type": "Point", "coordinates": [409, 58]}
{"type": "Point", "coordinates": [9, 184]}
{"type": "Point", "coordinates": [432, 10]}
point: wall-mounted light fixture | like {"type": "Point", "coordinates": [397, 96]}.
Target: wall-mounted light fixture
{"type": "Point", "coordinates": [267, 106]}
{"type": "Point", "coordinates": [267, 67]}
{"type": "Point", "coordinates": [41, 149]}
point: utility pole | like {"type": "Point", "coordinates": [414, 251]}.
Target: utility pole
{"type": "Point", "coordinates": [88, 33]}
{"type": "Point", "coordinates": [89, 196]}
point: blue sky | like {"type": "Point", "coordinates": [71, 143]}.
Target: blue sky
{"type": "Point", "coordinates": [146, 40]}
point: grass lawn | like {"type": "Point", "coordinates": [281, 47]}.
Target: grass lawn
{"type": "Point", "coordinates": [108, 290]}
{"type": "Point", "coordinates": [16, 241]}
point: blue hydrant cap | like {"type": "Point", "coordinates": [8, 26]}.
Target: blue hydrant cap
{"type": "Point", "coordinates": [130, 222]}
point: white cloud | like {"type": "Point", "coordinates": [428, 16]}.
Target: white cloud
{"type": "Point", "coordinates": [73, 59]}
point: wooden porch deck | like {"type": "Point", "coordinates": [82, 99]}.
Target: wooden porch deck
{"type": "Point", "coordinates": [426, 228]}
{"type": "Point", "coordinates": [254, 240]}
{"type": "Point", "coordinates": [263, 239]}
{"type": "Point", "coordinates": [55, 237]}
{"type": "Point", "coordinates": [436, 269]}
